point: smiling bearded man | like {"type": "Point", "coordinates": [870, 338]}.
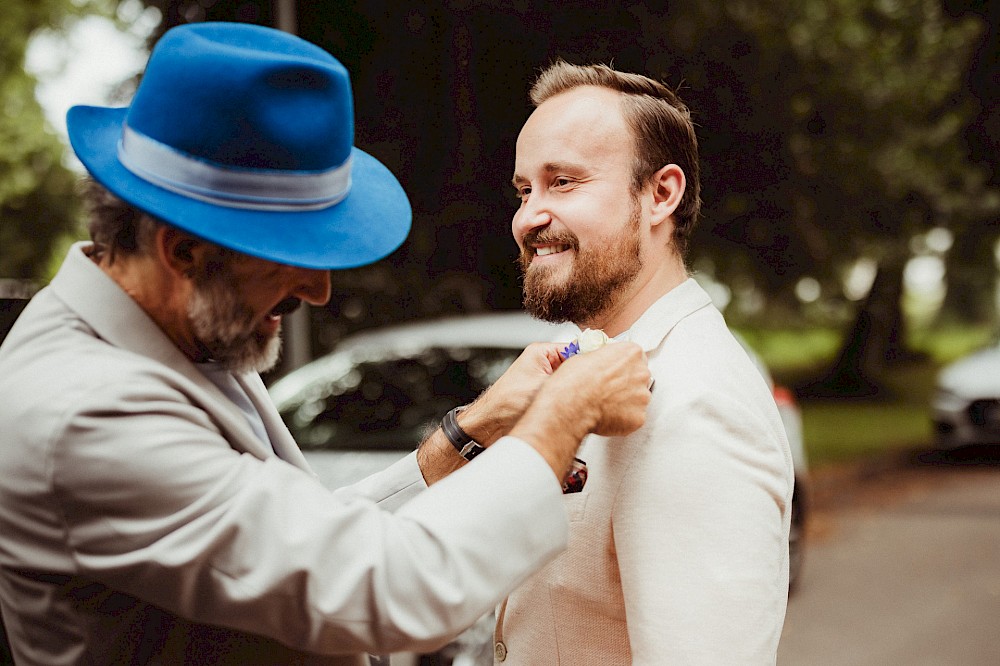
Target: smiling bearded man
{"type": "Point", "coordinates": [679, 535]}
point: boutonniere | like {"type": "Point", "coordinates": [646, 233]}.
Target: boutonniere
{"type": "Point", "coordinates": [589, 340]}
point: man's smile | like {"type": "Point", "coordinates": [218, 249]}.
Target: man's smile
{"type": "Point", "coordinates": [550, 249]}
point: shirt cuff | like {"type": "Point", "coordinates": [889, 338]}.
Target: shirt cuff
{"type": "Point", "coordinates": [392, 487]}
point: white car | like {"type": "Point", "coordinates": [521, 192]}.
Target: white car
{"type": "Point", "coordinates": [966, 402]}
{"type": "Point", "coordinates": [372, 399]}
{"type": "Point", "coordinates": [357, 409]}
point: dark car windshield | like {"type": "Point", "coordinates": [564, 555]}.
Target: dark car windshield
{"type": "Point", "coordinates": [390, 402]}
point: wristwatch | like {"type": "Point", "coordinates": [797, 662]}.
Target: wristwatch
{"type": "Point", "coordinates": [467, 447]}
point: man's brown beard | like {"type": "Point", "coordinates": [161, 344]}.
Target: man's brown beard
{"type": "Point", "coordinates": [596, 282]}
{"type": "Point", "coordinates": [226, 328]}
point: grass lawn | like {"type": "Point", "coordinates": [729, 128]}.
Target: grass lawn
{"type": "Point", "coordinates": [849, 429]}
{"type": "Point", "coordinates": [837, 431]}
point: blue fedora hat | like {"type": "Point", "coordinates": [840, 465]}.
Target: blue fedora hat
{"type": "Point", "coordinates": [243, 135]}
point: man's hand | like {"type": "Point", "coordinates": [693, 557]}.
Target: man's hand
{"type": "Point", "coordinates": [496, 411]}
{"type": "Point", "coordinates": [604, 392]}
{"type": "Point", "coordinates": [493, 413]}
{"type": "Point", "coordinates": [617, 378]}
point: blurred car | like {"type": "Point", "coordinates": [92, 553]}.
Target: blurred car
{"type": "Point", "coordinates": [966, 402]}
{"type": "Point", "coordinates": [369, 402]}
{"type": "Point", "coordinates": [10, 310]}
{"type": "Point", "coordinates": [373, 398]}
{"type": "Point", "coordinates": [791, 418]}
{"type": "Point", "coordinates": [357, 409]}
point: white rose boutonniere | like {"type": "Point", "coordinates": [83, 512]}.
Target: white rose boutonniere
{"type": "Point", "coordinates": [589, 340]}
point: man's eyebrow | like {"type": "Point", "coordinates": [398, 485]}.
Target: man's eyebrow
{"type": "Point", "coordinates": [549, 168]}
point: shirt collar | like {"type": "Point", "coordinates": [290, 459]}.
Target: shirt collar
{"type": "Point", "coordinates": [657, 321]}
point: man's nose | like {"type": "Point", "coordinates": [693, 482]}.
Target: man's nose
{"type": "Point", "coordinates": [533, 214]}
{"type": "Point", "coordinates": [312, 286]}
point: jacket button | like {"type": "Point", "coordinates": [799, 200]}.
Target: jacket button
{"type": "Point", "coordinates": [499, 651]}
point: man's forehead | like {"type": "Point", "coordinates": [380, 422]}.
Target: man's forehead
{"type": "Point", "coordinates": [582, 102]}
{"type": "Point", "coordinates": [572, 127]}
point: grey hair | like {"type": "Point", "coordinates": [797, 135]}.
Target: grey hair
{"type": "Point", "coordinates": [117, 227]}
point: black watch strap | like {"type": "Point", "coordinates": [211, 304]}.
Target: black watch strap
{"type": "Point", "coordinates": [467, 447]}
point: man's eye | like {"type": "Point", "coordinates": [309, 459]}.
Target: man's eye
{"type": "Point", "coordinates": [562, 182]}
{"type": "Point", "coordinates": [523, 192]}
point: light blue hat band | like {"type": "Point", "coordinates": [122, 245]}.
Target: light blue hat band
{"type": "Point", "coordinates": [249, 189]}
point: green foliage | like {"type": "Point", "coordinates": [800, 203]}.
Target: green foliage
{"type": "Point", "coordinates": [846, 429]}
{"type": "Point", "coordinates": [944, 344]}
{"type": "Point", "coordinates": [831, 129]}
{"type": "Point", "coordinates": [793, 352]}
{"type": "Point", "coordinates": [37, 202]}
{"type": "Point", "coordinates": [877, 95]}
{"type": "Point", "coordinates": [850, 430]}
{"type": "Point", "coordinates": [898, 418]}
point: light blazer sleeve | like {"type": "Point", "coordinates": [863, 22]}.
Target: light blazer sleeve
{"type": "Point", "coordinates": [700, 528]}
{"type": "Point", "coordinates": [155, 502]}
{"type": "Point", "coordinates": [126, 471]}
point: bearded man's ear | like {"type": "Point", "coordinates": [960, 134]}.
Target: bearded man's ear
{"type": "Point", "coordinates": [179, 250]}
{"type": "Point", "coordinates": [668, 189]}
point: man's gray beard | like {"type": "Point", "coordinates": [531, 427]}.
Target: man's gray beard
{"type": "Point", "coordinates": [596, 282]}
{"type": "Point", "coordinates": [226, 329]}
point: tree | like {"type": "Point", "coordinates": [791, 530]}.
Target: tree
{"type": "Point", "coordinates": [830, 129]}
{"type": "Point", "coordinates": [834, 130]}
{"type": "Point", "coordinates": [971, 262]}
{"type": "Point", "coordinates": [876, 91]}
{"type": "Point", "coordinates": [37, 203]}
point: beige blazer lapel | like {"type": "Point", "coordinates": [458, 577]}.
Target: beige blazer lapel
{"type": "Point", "coordinates": [231, 420]}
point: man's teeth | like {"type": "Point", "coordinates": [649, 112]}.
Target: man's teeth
{"type": "Point", "coordinates": [551, 249]}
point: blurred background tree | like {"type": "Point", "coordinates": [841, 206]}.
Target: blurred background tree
{"type": "Point", "coordinates": [37, 205]}
{"type": "Point", "coordinates": [971, 260]}
{"type": "Point", "coordinates": [837, 138]}
{"type": "Point", "coordinates": [870, 120]}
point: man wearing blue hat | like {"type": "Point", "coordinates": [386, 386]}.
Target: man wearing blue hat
{"type": "Point", "coordinates": [153, 508]}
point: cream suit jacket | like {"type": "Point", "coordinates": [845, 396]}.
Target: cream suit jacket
{"type": "Point", "coordinates": [678, 548]}
{"type": "Point", "coordinates": [142, 521]}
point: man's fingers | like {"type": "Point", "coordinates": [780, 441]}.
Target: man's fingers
{"type": "Point", "coordinates": [615, 383]}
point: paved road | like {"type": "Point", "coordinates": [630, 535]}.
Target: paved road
{"type": "Point", "coordinates": [904, 569]}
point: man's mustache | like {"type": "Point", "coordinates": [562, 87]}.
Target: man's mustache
{"type": "Point", "coordinates": [544, 237]}
{"type": "Point", "coordinates": [286, 306]}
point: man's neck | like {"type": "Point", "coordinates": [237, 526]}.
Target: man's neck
{"type": "Point", "coordinates": [637, 298]}
{"type": "Point", "coordinates": [160, 295]}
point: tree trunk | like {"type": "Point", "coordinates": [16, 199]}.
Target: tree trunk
{"type": "Point", "coordinates": [876, 340]}
{"type": "Point", "coordinates": [972, 274]}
